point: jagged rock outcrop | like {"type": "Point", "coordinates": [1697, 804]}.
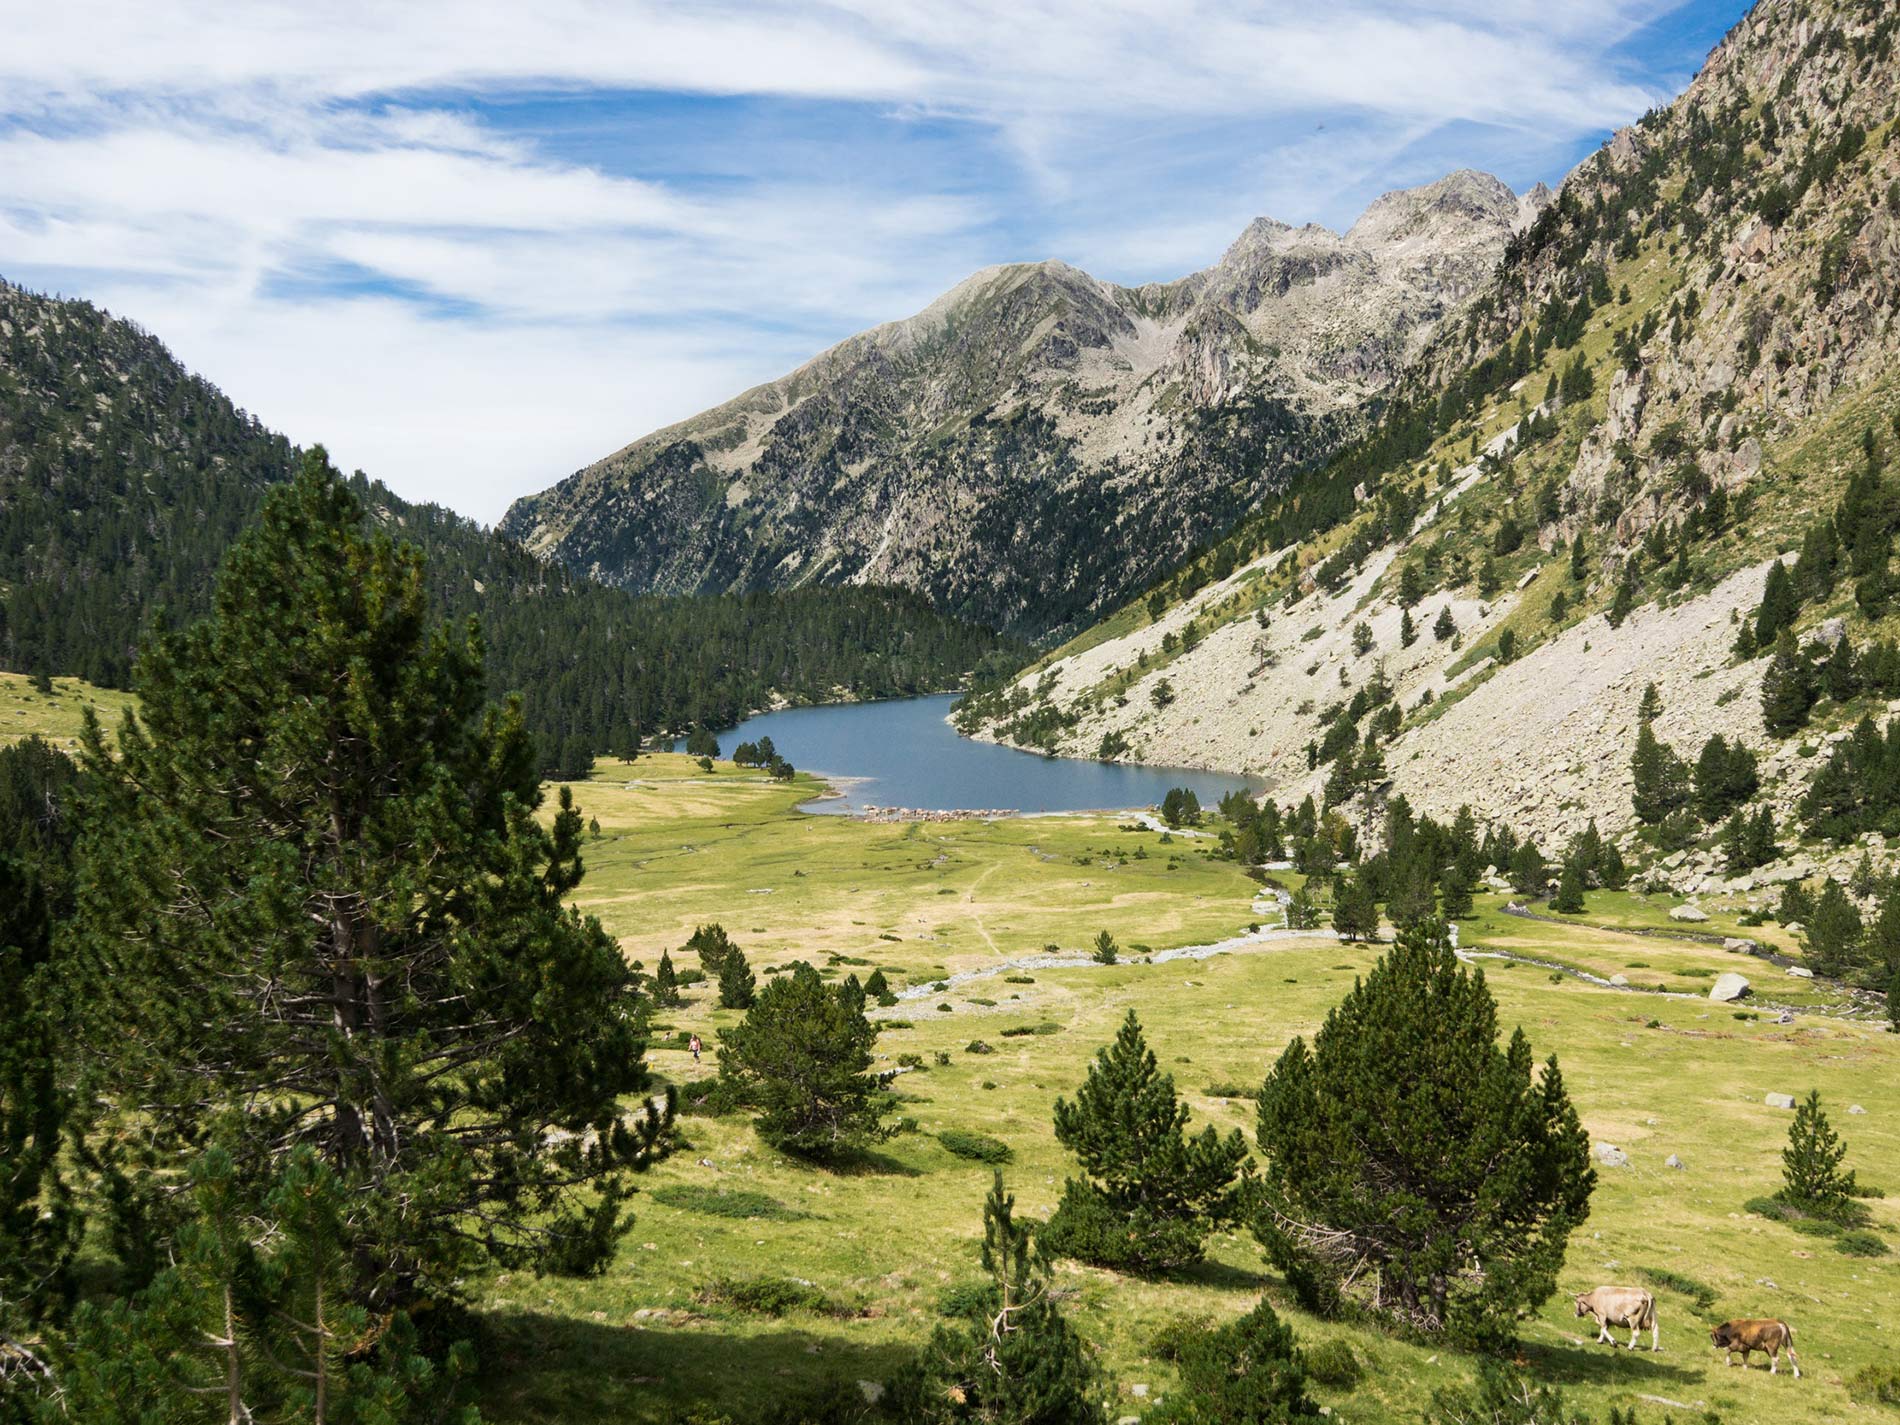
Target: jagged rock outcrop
{"type": "Point", "coordinates": [1028, 446]}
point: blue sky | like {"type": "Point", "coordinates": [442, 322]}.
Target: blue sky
{"type": "Point", "coordinates": [473, 245]}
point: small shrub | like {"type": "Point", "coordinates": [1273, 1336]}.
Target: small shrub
{"type": "Point", "coordinates": [977, 1147]}
{"type": "Point", "coordinates": [769, 1296]}
{"type": "Point", "coordinates": [1167, 1343]}
{"type": "Point", "coordinates": [943, 1009]}
{"type": "Point", "coordinates": [911, 1061]}
{"type": "Point", "coordinates": [1861, 1243]}
{"type": "Point", "coordinates": [1019, 979]}
{"type": "Point", "coordinates": [965, 1299]}
{"type": "Point", "coordinates": [942, 1056]}
{"type": "Point", "coordinates": [1231, 1090]}
{"type": "Point", "coordinates": [1018, 1030]}
{"type": "Point", "coordinates": [723, 1202]}
{"type": "Point", "coordinates": [977, 1046]}
{"type": "Point", "coordinates": [1702, 1296]}
{"type": "Point", "coordinates": [1875, 1385]}
{"type": "Point", "coordinates": [1334, 1363]}
{"type": "Point", "coordinates": [986, 1003]}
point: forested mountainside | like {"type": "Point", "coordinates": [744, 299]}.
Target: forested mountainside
{"type": "Point", "coordinates": [124, 478]}
{"type": "Point", "coordinates": [1685, 374]}
{"type": "Point", "coordinates": [1022, 450]}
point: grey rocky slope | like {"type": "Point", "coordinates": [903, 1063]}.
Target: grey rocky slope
{"type": "Point", "coordinates": [1680, 365]}
{"type": "Point", "coordinates": [1025, 449]}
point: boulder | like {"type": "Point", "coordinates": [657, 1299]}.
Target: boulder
{"type": "Point", "coordinates": [1687, 912]}
{"type": "Point", "coordinates": [871, 1390]}
{"type": "Point", "coordinates": [1779, 1100]}
{"type": "Point", "coordinates": [1728, 986]}
{"type": "Point", "coordinates": [1801, 972]}
{"type": "Point", "coordinates": [1620, 981]}
{"type": "Point", "coordinates": [1736, 945]}
{"type": "Point", "coordinates": [1610, 1155]}
{"type": "Point", "coordinates": [1856, 1108]}
{"type": "Point", "coordinates": [1672, 1161]}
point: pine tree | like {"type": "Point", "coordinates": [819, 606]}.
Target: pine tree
{"type": "Point", "coordinates": [1787, 688]}
{"type": "Point", "coordinates": [712, 947]}
{"type": "Point", "coordinates": [1106, 951]}
{"type": "Point", "coordinates": [738, 989]}
{"type": "Point", "coordinates": [1625, 599]}
{"type": "Point", "coordinates": [1455, 887]}
{"type": "Point", "coordinates": [1443, 627]}
{"type": "Point", "coordinates": [802, 1056]}
{"type": "Point", "coordinates": [1248, 1372]}
{"type": "Point", "coordinates": [1579, 563]}
{"type": "Point", "coordinates": [1301, 911]}
{"type": "Point", "coordinates": [1659, 779]}
{"type": "Point", "coordinates": [1405, 1145]}
{"type": "Point", "coordinates": [1612, 872]}
{"type": "Point", "coordinates": [879, 988]}
{"type": "Point", "coordinates": [666, 983]}
{"type": "Point", "coordinates": [321, 912]}
{"type": "Point", "coordinates": [1779, 605]}
{"type": "Point", "coordinates": [1412, 898]}
{"type": "Point", "coordinates": [1150, 1194]}
{"type": "Point", "coordinates": [40, 1225]}
{"type": "Point", "coordinates": [1355, 913]}
{"type": "Point", "coordinates": [1811, 1173]}
{"type": "Point", "coordinates": [1408, 631]}
{"type": "Point", "coordinates": [1834, 933]}
{"type": "Point", "coordinates": [1011, 1358]}
{"type": "Point", "coordinates": [1650, 706]}
{"type": "Point", "coordinates": [1569, 897]}
{"type": "Point", "coordinates": [1529, 872]}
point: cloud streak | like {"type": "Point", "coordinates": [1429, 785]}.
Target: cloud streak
{"type": "Point", "coordinates": [373, 225]}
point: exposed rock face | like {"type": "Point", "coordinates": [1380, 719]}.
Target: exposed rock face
{"type": "Point", "coordinates": [1028, 447]}
{"type": "Point", "coordinates": [1729, 986]}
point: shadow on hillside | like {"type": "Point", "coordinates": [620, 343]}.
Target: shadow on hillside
{"type": "Point", "coordinates": [538, 1369]}
{"type": "Point", "coordinates": [1222, 1276]}
{"type": "Point", "coordinates": [1598, 1365]}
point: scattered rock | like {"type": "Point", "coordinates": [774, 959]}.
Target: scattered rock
{"type": "Point", "coordinates": [1735, 944]}
{"type": "Point", "coordinates": [1672, 1161]}
{"type": "Point", "coordinates": [1139, 1390]}
{"type": "Point", "coordinates": [1728, 986]}
{"type": "Point", "coordinates": [1687, 912]}
{"type": "Point", "coordinates": [1779, 1100]}
{"type": "Point", "coordinates": [1856, 1108]}
{"type": "Point", "coordinates": [1620, 981]}
{"type": "Point", "coordinates": [871, 1390]}
{"type": "Point", "coordinates": [1610, 1155]}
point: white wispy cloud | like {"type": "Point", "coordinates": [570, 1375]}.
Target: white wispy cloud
{"type": "Point", "coordinates": [362, 220]}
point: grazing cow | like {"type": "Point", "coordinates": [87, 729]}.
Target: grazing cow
{"type": "Point", "coordinates": [1629, 1306]}
{"type": "Point", "coordinates": [1756, 1333]}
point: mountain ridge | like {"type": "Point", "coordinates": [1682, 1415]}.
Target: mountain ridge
{"type": "Point", "coordinates": [940, 451]}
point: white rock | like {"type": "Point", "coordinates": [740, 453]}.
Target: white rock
{"type": "Point", "coordinates": [1611, 1156]}
{"type": "Point", "coordinates": [1672, 1161]}
{"type": "Point", "coordinates": [1729, 986]}
{"type": "Point", "coordinates": [1687, 912]}
{"type": "Point", "coordinates": [1737, 944]}
{"type": "Point", "coordinates": [1779, 1100]}
{"type": "Point", "coordinates": [1801, 972]}
{"type": "Point", "coordinates": [1856, 1108]}
{"type": "Point", "coordinates": [871, 1390]}
{"type": "Point", "coordinates": [1620, 981]}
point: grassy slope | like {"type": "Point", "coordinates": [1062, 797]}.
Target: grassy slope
{"type": "Point", "coordinates": [58, 719]}
{"type": "Point", "coordinates": [888, 1241]}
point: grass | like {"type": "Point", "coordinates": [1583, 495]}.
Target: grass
{"type": "Point", "coordinates": [658, 1333]}
{"type": "Point", "coordinates": [58, 718]}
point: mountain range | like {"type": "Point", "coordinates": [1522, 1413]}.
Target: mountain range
{"type": "Point", "coordinates": [1026, 449]}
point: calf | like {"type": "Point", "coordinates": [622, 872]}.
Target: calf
{"type": "Point", "coordinates": [1756, 1334]}
{"type": "Point", "coordinates": [1629, 1306]}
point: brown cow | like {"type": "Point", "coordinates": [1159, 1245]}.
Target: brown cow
{"type": "Point", "coordinates": [1756, 1333]}
{"type": "Point", "coordinates": [1629, 1306]}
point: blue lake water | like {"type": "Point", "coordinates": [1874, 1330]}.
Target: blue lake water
{"type": "Point", "coordinates": [902, 753]}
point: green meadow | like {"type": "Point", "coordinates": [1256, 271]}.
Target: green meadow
{"type": "Point", "coordinates": [1655, 1070]}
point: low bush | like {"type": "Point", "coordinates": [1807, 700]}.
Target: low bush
{"type": "Point", "coordinates": [770, 1296]}
{"type": "Point", "coordinates": [977, 1046]}
{"type": "Point", "coordinates": [1861, 1243]}
{"type": "Point", "coordinates": [911, 1061]}
{"type": "Point", "coordinates": [1662, 1277]}
{"type": "Point", "coordinates": [962, 1299]}
{"type": "Point", "coordinates": [1019, 979]}
{"type": "Point", "coordinates": [977, 1147]}
{"type": "Point", "coordinates": [1016, 1031]}
{"type": "Point", "coordinates": [724, 1202]}
{"type": "Point", "coordinates": [1167, 1343]}
{"type": "Point", "coordinates": [1875, 1385]}
{"type": "Point", "coordinates": [1231, 1090]}
{"type": "Point", "coordinates": [1334, 1363]}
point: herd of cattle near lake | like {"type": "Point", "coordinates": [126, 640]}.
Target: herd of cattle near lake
{"type": "Point", "coordinates": [1634, 1308]}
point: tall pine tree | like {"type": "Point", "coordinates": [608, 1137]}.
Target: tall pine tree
{"type": "Point", "coordinates": [321, 913]}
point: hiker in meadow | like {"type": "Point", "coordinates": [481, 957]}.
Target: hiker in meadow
{"type": "Point", "coordinates": [694, 1046]}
